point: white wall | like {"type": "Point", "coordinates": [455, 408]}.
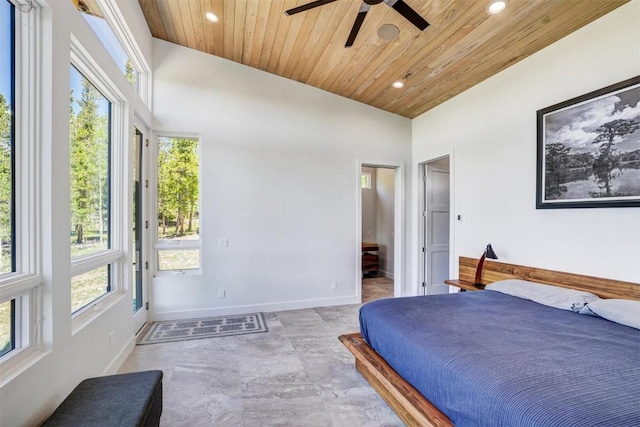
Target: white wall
{"type": "Point", "coordinates": [385, 220]}
{"type": "Point", "coordinates": [369, 211]}
{"type": "Point", "coordinates": [33, 390]}
{"type": "Point", "coordinates": [280, 180]}
{"type": "Point", "coordinates": [491, 130]}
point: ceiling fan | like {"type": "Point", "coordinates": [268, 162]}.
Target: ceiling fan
{"type": "Point", "coordinates": [398, 5]}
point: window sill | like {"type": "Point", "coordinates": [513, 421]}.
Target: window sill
{"type": "Point", "coordinates": [174, 273]}
{"type": "Point", "coordinates": [95, 310]}
{"type": "Point", "coordinates": [19, 363]}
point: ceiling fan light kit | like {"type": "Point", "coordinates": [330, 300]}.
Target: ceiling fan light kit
{"type": "Point", "coordinates": [398, 5]}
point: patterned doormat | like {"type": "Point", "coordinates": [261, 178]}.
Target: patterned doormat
{"type": "Point", "coordinates": [207, 327]}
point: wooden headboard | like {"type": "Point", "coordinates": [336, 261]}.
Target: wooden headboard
{"type": "Point", "coordinates": [494, 271]}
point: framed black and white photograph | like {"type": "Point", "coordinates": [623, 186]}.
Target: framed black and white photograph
{"type": "Point", "coordinates": [589, 150]}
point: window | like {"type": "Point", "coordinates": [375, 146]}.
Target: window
{"type": "Point", "coordinates": [6, 327]}
{"type": "Point", "coordinates": [178, 195]}
{"type": "Point", "coordinates": [185, 259]}
{"type": "Point", "coordinates": [7, 202]}
{"type": "Point", "coordinates": [90, 150]}
{"type": "Point", "coordinates": [365, 180]}
{"type": "Point", "coordinates": [110, 41]}
{"type": "Point", "coordinates": [97, 171]}
{"type": "Point", "coordinates": [88, 287]}
{"type": "Point", "coordinates": [106, 21]}
{"type": "Point", "coordinates": [14, 324]}
{"type": "Point", "coordinates": [20, 282]}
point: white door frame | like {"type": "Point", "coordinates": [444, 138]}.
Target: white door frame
{"type": "Point", "coordinates": [398, 223]}
{"type": "Point", "coordinates": [420, 241]}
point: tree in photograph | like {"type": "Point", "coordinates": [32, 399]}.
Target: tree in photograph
{"type": "Point", "coordinates": [5, 176]}
{"type": "Point", "coordinates": [84, 153]}
{"type": "Point", "coordinates": [630, 156]}
{"type": "Point", "coordinates": [607, 160]}
{"type": "Point", "coordinates": [582, 160]}
{"type": "Point", "coordinates": [607, 134]}
{"type": "Point", "coordinates": [557, 156]}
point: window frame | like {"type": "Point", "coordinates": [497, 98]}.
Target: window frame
{"type": "Point", "coordinates": [114, 256]}
{"type": "Point", "coordinates": [114, 18]}
{"type": "Point", "coordinates": [176, 245]}
{"type": "Point", "coordinates": [24, 284]}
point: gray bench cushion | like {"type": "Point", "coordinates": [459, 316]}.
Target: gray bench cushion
{"type": "Point", "coordinates": [133, 399]}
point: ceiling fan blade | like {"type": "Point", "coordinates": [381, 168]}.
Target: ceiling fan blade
{"type": "Point", "coordinates": [307, 6]}
{"type": "Point", "coordinates": [411, 15]}
{"type": "Point", "coordinates": [357, 24]}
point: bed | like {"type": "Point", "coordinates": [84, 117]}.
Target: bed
{"type": "Point", "coordinates": [438, 360]}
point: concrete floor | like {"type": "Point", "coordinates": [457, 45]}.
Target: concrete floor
{"type": "Point", "coordinates": [297, 374]}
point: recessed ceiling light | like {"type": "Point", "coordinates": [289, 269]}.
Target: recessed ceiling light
{"type": "Point", "coordinates": [388, 32]}
{"type": "Point", "coordinates": [397, 84]}
{"type": "Point", "coordinates": [497, 6]}
{"type": "Point", "coordinates": [211, 17]}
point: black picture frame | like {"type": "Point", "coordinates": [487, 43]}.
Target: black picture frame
{"type": "Point", "coordinates": [589, 150]}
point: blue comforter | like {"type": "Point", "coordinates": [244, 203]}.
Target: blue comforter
{"type": "Point", "coordinates": [489, 359]}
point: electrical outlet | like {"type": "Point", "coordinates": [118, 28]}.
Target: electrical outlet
{"type": "Point", "coordinates": [334, 286]}
{"type": "Point", "coordinates": [221, 293]}
{"type": "Point", "coordinates": [223, 243]}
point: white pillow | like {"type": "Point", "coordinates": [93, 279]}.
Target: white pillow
{"type": "Point", "coordinates": [623, 311]}
{"type": "Point", "coordinates": [552, 296]}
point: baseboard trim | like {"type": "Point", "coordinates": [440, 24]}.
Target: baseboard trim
{"type": "Point", "coordinates": [241, 309]}
{"type": "Point", "coordinates": [385, 274]}
{"type": "Point", "coordinates": [117, 362]}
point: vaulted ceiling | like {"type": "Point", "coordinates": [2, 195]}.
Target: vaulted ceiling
{"type": "Point", "coordinates": [463, 45]}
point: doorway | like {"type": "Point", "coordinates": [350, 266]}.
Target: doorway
{"type": "Point", "coordinates": [379, 219]}
{"type": "Point", "coordinates": [435, 227]}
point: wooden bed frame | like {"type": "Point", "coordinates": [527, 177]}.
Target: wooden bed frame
{"type": "Point", "coordinates": [404, 399]}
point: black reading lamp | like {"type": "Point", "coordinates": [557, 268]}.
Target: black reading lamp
{"type": "Point", "coordinates": [488, 253]}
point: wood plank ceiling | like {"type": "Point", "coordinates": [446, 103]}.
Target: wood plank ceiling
{"type": "Point", "coordinates": [463, 46]}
